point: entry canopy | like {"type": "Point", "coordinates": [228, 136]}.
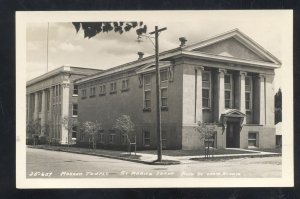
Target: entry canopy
{"type": "Point", "coordinates": [233, 113]}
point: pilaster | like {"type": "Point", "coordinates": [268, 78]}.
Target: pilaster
{"type": "Point", "coordinates": [262, 100]}
{"type": "Point", "coordinates": [198, 95]}
{"type": "Point", "coordinates": [65, 111]}
{"type": "Point", "coordinates": [221, 92]}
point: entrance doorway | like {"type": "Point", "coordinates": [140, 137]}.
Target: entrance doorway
{"type": "Point", "coordinates": [233, 135]}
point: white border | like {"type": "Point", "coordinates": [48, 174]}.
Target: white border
{"type": "Point", "coordinates": [22, 18]}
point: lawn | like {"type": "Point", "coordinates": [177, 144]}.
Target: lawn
{"type": "Point", "coordinates": [275, 150]}
{"type": "Point", "coordinates": [196, 152]}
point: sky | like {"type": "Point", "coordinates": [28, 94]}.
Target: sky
{"type": "Point", "coordinates": [106, 50]}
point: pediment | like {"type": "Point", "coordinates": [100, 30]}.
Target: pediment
{"type": "Point", "coordinates": [233, 113]}
{"type": "Point", "coordinates": [234, 44]}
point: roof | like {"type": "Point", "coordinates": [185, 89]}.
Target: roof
{"type": "Point", "coordinates": [241, 37]}
{"type": "Point", "coordinates": [57, 71]}
{"type": "Point", "coordinates": [189, 51]}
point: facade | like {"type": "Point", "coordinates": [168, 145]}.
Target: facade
{"type": "Point", "coordinates": [225, 81]}
{"type": "Point", "coordinates": [51, 102]}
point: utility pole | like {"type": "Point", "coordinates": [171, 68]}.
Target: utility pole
{"type": "Point", "coordinates": [158, 93]}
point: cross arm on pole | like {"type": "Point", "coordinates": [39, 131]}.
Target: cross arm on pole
{"type": "Point", "coordinates": [159, 30]}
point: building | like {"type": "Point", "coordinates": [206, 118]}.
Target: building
{"type": "Point", "coordinates": [50, 99]}
{"type": "Point", "coordinates": [225, 81]}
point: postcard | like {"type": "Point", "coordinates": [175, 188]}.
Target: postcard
{"type": "Point", "coordinates": [144, 99]}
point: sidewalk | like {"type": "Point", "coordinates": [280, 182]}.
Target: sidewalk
{"type": "Point", "coordinates": [147, 158]}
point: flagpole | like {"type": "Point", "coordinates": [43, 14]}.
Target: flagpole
{"type": "Point", "coordinates": [47, 44]}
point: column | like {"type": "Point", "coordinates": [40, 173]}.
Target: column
{"type": "Point", "coordinates": [242, 92]}
{"type": "Point", "coordinates": [43, 113]}
{"type": "Point", "coordinates": [51, 114]}
{"type": "Point", "coordinates": [198, 95]}
{"type": "Point", "coordinates": [27, 107]}
{"type": "Point", "coordinates": [262, 113]}
{"type": "Point", "coordinates": [36, 107]}
{"type": "Point", "coordinates": [64, 111]}
{"type": "Point", "coordinates": [221, 92]}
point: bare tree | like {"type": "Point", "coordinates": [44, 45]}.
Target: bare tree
{"type": "Point", "coordinates": [69, 123]}
{"type": "Point", "coordinates": [207, 133]}
{"type": "Point", "coordinates": [126, 127]}
{"type": "Point", "coordinates": [90, 129]}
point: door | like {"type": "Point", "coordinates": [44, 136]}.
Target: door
{"type": "Point", "coordinates": [233, 135]}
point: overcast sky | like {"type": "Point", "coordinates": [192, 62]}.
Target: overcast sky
{"type": "Point", "coordinates": [66, 47]}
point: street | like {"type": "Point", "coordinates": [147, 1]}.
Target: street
{"type": "Point", "coordinates": [53, 164]}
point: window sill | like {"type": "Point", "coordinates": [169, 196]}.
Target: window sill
{"type": "Point", "coordinates": [75, 95]}
{"type": "Point", "coordinates": [125, 90]}
{"type": "Point", "coordinates": [102, 94]}
{"type": "Point", "coordinates": [74, 116]}
{"type": "Point", "coordinates": [112, 92]}
{"type": "Point", "coordinates": [248, 110]}
{"type": "Point", "coordinates": [206, 108]}
{"type": "Point", "coordinates": [146, 109]}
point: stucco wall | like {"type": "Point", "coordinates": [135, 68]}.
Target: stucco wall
{"type": "Point", "coordinates": [266, 136]}
{"type": "Point", "coordinates": [108, 108]}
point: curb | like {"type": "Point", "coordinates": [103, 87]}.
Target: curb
{"type": "Point", "coordinates": [173, 162]}
{"type": "Point", "coordinates": [235, 157]}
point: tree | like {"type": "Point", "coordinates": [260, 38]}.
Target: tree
{"type": "Point", "coordinates": [126, 127]}
{"type": "Point", "coordinates": [278, 106]}
{"type": "Point", "coordinates": [90, 129]}
{"type": "Point", "coordinates": [69, 123]}
{"type": "Point", "coordinates": [207, 133]}
{"type": "Point", "coordinates": [91, 29]}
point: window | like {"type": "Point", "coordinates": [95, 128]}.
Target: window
{"type": "Point", "coordinates": [125, 85]}
{"type": "Point", "coordinates": [146, 136]}
{"type": "Point", "coordinates": [164, 138]}
{"type": "Point", "coordinates": [147, 79]}
{"type": "Point", "coordinates": [75, 110]}
{"type": "Point", "coordinates": [206, 89]}
{"type": "Point", "coordinates": [81, 136]}
{"type": "Point", "coordinates": [147, 100]}
{"type": "Point", "coordinates": [113, 87]}
{"type": "Point", "coordinates": [102, 89]}
{"type": "Point", "coordinates": [74, 132]}
{"type": "Point", "coordinates": [227, 99]}
{"type": "Point", "coordinates": [100, 137]}
{"type": "Point", "coordinates": [252, 139]}
{"type": "Point", "coordinates": [164, 75]}
{"type": "Point", "coordinates": [164, 97]}
{"type": "Point", "coordinates": [123, 139]}
{"type": "Point", "coordinates": [228, 90]}
{"type": "Point", "coordinates": [92, 92]}
{"type": "Point", "coordinates": [248, 93]}
{"type": "Point", "coordinates": [147, 93]}
{"type": "Point", "coordinates": [75, 90]}
{"type": "Point", "coordinates": [111, 138]}
{"type": "Point", "coordinates": [83, 92]}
